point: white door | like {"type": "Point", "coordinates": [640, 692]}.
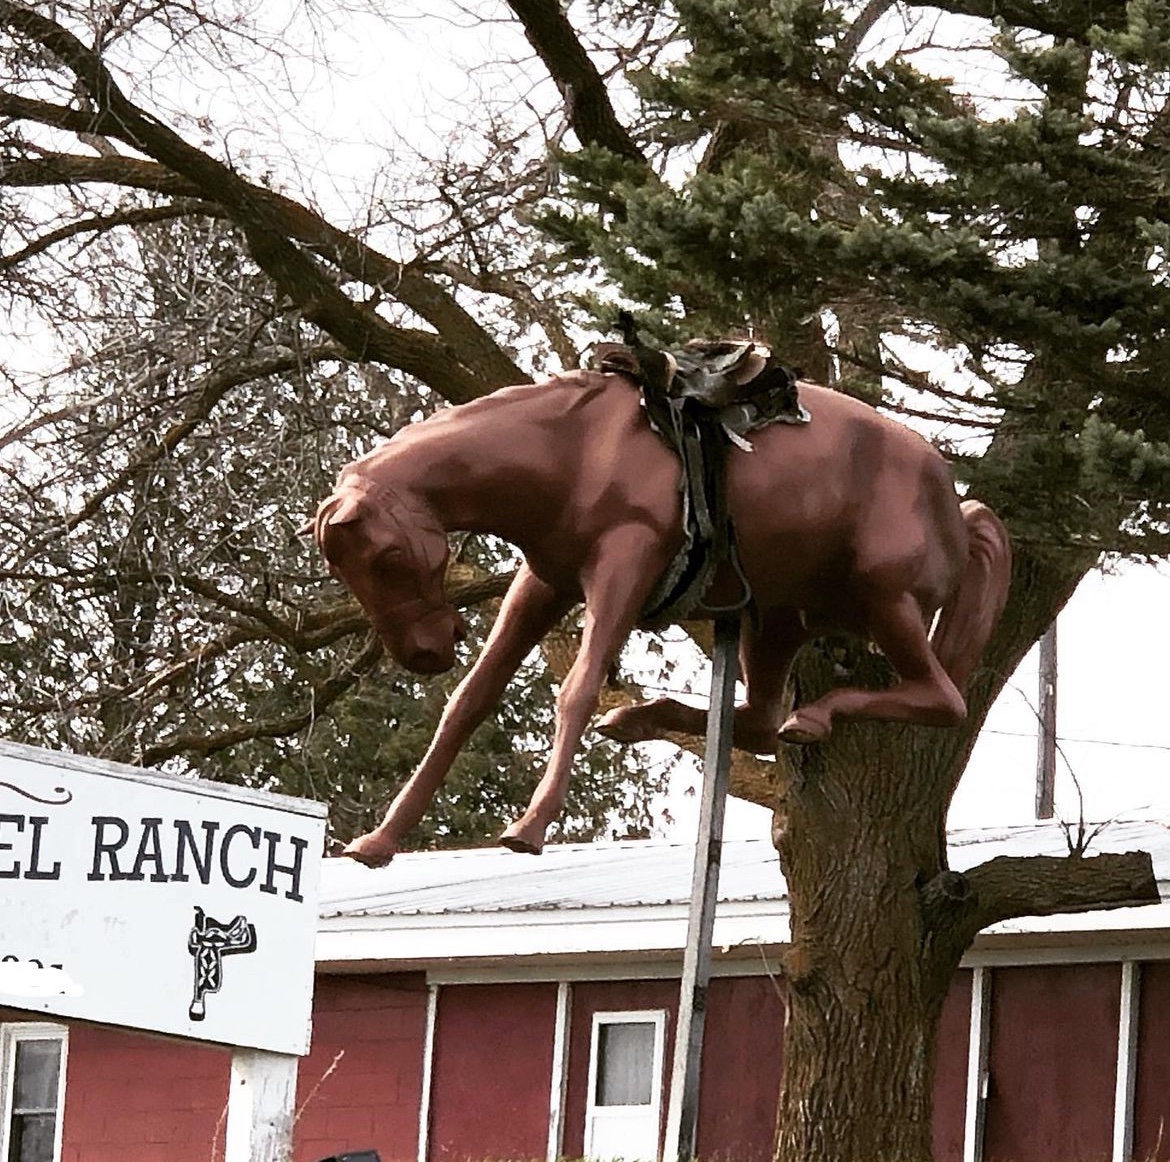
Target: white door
{"type": "Point", "coordinates": [623, 1114]}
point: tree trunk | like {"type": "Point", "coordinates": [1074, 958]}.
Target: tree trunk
{"type": "Point", "coordinates": [865, 1046]}
{"type": "Point", "coordinates": [879, 922]}
{"type": "Point", "coordinates": [866, 982]}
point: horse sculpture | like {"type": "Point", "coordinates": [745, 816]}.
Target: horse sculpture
{"type": "Point", "coordinates": [849, 522]}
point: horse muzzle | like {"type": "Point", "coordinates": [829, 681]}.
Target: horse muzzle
{"type": "Point", "coordinates": [428, 646]}
{"type": "Point", "coordinates": [428, 662]}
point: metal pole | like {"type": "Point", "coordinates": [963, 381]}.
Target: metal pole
{"type": "Point", "coordinates": [1046, 743]}
{"type": "Point", "coordinates": [682, 1117]}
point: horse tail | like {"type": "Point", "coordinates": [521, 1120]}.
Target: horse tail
{"type": "Point", "coordinates": [967, 619]}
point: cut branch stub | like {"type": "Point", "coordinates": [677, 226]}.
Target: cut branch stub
{"type": "Point", "coordinates": [956, 907]}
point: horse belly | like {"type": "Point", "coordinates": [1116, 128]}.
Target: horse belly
{"type": "Point", "coordinates": [794, 518]}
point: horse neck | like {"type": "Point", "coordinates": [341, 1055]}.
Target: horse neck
{"type": "Point", "coordinates": [467, 471]}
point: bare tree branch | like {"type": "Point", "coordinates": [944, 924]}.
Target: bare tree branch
{"type": "Point", "coordinates": [1070, 21]}
{"type": "Point", "coordinates": [138, 216]}
{"type": "Point", "coordinates": [347, 619]}
{"type": "Point", "coordinates": [480, 367]}
{"type": "Point", "coordinates": [357, 326]}
{"type": "Point", "coordinates": [322, 695]}
{"type": "Point", "coordinates": [958, 906]}
{"type": "Point", "coordinates": [587, 102]}
{"type": "Point", "coordinates": [21, 431]}
{"type": "Point", "coordinates": [209, 393]}
{"type": "Point", "coordinates": [862, 24]}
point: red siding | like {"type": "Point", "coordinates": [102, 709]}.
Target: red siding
{"type": "Point", "coordinates": [492, 1072]}
{"type": "Point", "coordinates": [1053, 1063]}
{"type": "Point", "coordinates": [592, 997]}
{"type": "Point", "coordinates": [742, 1059]}
{"type": "Point", "coordinates": [124, 1091]}
{"type": "Point", "coordinates": [361, 1086]}
{"type": "Point", "coordinates": [950, 1071]}
{"type": "Point", "coordinates": [1151, 1105]}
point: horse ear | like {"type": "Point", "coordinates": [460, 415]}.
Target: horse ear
{"type": "Point", "coordinates": [349, 509]}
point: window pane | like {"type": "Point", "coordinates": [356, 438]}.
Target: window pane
{"type": "Point", "coordinates": [37, 1067]}
{"type": "Point", "coordinates": [625, 1064]}
{"type": "Point", "coordinates": [32, 1138]}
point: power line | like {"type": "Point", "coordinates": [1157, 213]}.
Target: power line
{"type": "Point", "coordinates": [1087, 741]}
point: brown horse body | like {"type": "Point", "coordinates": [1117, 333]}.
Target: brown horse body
{"type": "Point", "coordinates": [850, 522]}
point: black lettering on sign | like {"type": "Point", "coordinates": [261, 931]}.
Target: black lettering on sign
{"type": "Point", "coordinates": [253, 833]}
{"type": "Point", "coordinates": [292, 870]}
{"type": "Point", "coordinates": [12, 870]}
{"type": "Point", "coordinates": [35, 871]}
{"type": "Point", "coordinates": [150, 851]}
{"type": "Point", "coordinates": [186, 843]}
{"type": "Point", "coordinates": [9, 958]}
{"type": "Point", "coordinates": [141, 850]}
{"type": "Point", "coordinates": [108, 847]}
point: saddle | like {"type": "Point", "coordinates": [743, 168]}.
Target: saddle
{"type": "Point", "coordinates": [701, 399]}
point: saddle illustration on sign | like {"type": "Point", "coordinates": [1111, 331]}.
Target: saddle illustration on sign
{"type": "Point", "coordinates": [208, 942]}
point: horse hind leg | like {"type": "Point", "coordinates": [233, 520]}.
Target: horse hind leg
{"type": "Point", "coordinates": [924, 693]}
{"type": "Point", "coordinates": [766, 657]}
{"type": "Point", "coordinates": [658, 718]}
{"type": "Point", "coordinates": [664, 717]}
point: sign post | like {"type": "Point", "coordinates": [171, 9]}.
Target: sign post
{"type": "Point", "coordinates": [172, 905]}
{"type": "Point", "coordinates": [682, 1117]}
{"type": "Point", "coordinates": [261, 1104]}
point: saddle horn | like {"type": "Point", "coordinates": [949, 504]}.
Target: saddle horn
{"type": "Point", "coordinates": [656, 368]}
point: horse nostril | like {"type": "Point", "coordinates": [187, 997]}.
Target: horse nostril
{"type": "Point", "coordinates": [427, 662]}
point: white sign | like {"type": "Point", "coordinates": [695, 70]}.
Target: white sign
{"type": "Point", "coordinates": [176, 905]}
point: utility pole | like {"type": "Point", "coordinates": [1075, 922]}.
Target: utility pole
{"type": "Point", "coordinates": [1046, 737]}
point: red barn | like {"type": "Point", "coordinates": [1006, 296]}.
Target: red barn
{"type": "Point", "coordinates": [483, 1005]}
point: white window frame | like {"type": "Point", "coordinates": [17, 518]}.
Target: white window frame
{"type": "Point", "coordinates": [11, 1034]}
{"type": "Point", "coordinates": [594, 1112]}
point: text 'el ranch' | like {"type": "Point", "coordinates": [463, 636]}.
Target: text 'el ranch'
{"type": "Point", "coordinates": [148, 849]}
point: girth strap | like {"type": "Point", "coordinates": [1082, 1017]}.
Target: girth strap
{"type": "Point", "coordinates": [701, 400]}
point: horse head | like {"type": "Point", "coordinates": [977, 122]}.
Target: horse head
{"type": "Point", "coordinates": [391, 554]}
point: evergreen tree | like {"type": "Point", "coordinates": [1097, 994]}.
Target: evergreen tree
{"type": "Point", "coordinates": [863, 191]}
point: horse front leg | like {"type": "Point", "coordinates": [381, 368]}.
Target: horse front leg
{"type": "Point", "coordinates": [624, 569]}
{"type": "Point", "coordinates": [529, 610]}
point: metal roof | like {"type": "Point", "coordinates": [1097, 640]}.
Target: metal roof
{"type": "Point", "coordinates": [631, 897]}
{"type": "Point", "coordinates": [648, 872]}
{"type": "Point", "coordinates": [569, 875]}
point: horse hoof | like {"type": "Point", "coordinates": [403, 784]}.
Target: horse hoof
{"type": "Point", "coordinates": [621, 726]}
{"type": "Point", "coordinates": [369, 851]}
{"type": "Point", "coordinates": [802, 729]}
{"type": "Point", "coordinates": [524, 838]}
{"type": "Point", "coordinates": [520, 846]}
{"type": "Point", "coordinates": [794, 736]}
